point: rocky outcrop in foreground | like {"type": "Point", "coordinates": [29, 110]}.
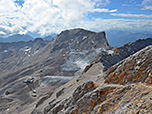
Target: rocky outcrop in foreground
{"type": "Point", "coordinates": [125, 88]}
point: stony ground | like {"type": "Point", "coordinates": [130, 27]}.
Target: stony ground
{"type": "Point", "coordinates": [126, 88]}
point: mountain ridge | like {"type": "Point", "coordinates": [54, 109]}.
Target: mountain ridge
{"type": "Point", "coordinates": [118, 38]}
{"type": "Point", "coordinates": [24, 38]}
{"type": "Point", "coordinates": [55, 63]}
{"type": "Point", "coordinates": [107, 96]}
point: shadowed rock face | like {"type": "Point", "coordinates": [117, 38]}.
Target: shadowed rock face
{"type": "Point", "coordinates": [126, 89]}
{"type": "Point", "coordinates": [121, 53]}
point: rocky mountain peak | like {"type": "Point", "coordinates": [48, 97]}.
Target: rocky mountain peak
{"type": "Point", "coordinates": [38, 40]}
{"type": "Point", "coordinates": [81, 39]}
{"type": "Point", "coordinates": [73, 33]}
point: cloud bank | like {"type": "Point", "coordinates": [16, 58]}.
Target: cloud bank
{"type": "Point", "coordinates": [132, 15]}
{"type": "Point", "coordinates": [46, 16]}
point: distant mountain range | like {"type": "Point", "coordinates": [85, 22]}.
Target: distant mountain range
{"type": "Point", "coordinates": [117, 38]}
{"type": "Point", "coordinates": [26, 38]}
{"type": "Point", "coordinates": [16, 38]}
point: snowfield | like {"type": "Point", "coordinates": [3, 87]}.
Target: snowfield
{"type": "Point", "coordinates": [78, 60]}
{"type": "Point", "coordinates": [53, 80]}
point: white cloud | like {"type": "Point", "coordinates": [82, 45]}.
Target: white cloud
{"type": "Point", "coordinates": [2, 33]}
{"type": "Point", "coordinates": [40, 16]}
{"type": "Point", "coordinates": [7, 30]}
{"type": "Point", "coordinates": [102, 3]}
{"type": "Point", "coordinates": [147, 4]}
{"type": "Point", "coordinates": [105, 24]}
{"type": "Point", "coordinates": [104, 10]}
{"type": "Point", "coordinates": [73, 10]}
{"type": "Point", "coordinates": [147, 8]}
{"type": "Point", "coordinates": [132, 15]}
{"type": "Point", "coordinates": [46, 16]}
{"type": "Point", "coordinates": [7, 6]}
{"type": "Point", "coordinates": [126, 5]}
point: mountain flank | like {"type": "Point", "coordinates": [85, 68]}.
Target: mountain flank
{"type": "Point", "coordinates": [42, 65]}
{"type": "Point", "coordinates": [123, 88]}
{"type": "Point", "coordinates": [32, 73]}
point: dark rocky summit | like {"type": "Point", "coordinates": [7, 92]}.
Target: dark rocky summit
{"type": "Point", "coordinates": [81, 39]}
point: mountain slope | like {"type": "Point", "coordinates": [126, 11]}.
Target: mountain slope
{"type": "Point", "coordinates": [14, 55]}
{"type": "Point", "coordinates": [52, 65]}
{"type": "Point", "coordinates": [121, 53]}
{"type": "Point", "coordinates": [92, 72]}
{"type": "Point", "coordinates": [33, 83]}
{"type": "Point", "coordinates": [117, 92]}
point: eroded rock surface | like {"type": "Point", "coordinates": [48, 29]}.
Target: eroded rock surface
{"type": "Point", "coordinates": [127, 89]}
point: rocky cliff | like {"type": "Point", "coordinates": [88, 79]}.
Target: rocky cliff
{"type": "Point", "coordinates": [125, 88]}
{"type": "Point", "coordinates": [122, 52]}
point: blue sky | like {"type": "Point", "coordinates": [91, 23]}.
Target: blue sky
{"type": "Point", "coordinates": [125, 7]}
{"type": "Point", "coordinates": [48, 16]}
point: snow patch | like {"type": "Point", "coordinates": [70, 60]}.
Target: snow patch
{"type": "Point", "coordinates": [51, 80]}
{"type": "Point", "coordinates": [28, 49]}
{"type": "Point", "coordinates": [110, 52]}
{"type": "Point", "coordinates": [78, 60]}
{"type": "Point", "coordinates": [84, 37]}
{"type": "Point", "coordinates": [5, 51]}
{"type": "Point", "coordinates": [36, 52]}
{"type": "Point", "coordinates": [81, 64]}
{"type": "Point", "coordinates": [8, 109]}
